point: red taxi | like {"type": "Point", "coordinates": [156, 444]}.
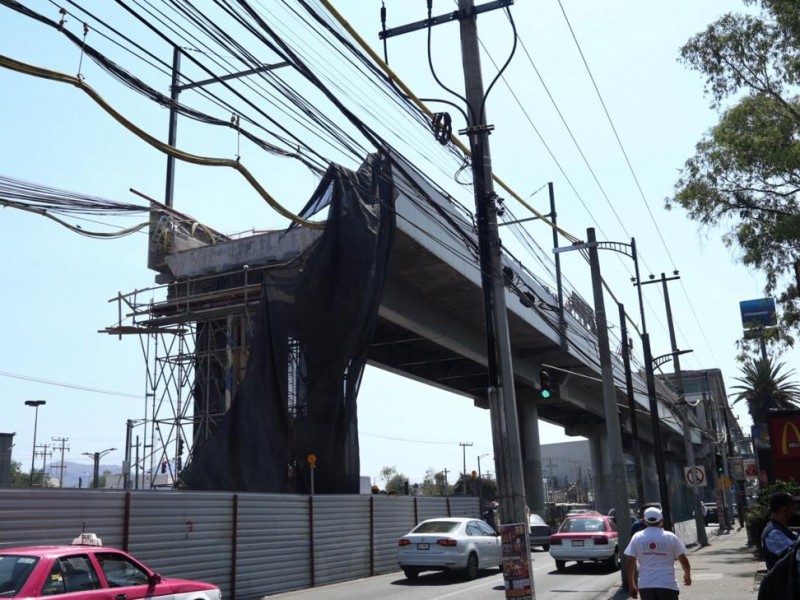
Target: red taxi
{"type": "Point", "coordinates": [87, 571]}
{"type": "Point", "coordinates": [584, 537]}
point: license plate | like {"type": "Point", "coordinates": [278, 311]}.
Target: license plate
{"type": "Point", "coordinates": [577, 542]}
{"type": "Point", "coordinates": [423, 546]}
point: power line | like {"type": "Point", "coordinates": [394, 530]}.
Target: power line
{"type": "Point", "coordinates": [68, 385]}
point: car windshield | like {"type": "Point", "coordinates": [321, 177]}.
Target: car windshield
{"type": "Point", "coordinates": [582, 525]}
{"type": "Point", "coordinates": [436, 527]}
{"type": "Point", "coordinates": [14, 571]}
{"type": "Point", "coordinates": [537, 520]}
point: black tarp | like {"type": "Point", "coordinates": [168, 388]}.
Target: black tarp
{"type": "Point", "coordinates": [325, 313]}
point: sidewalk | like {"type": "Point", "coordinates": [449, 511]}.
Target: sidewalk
{"type": "Point", "coordinates": [726, 568]}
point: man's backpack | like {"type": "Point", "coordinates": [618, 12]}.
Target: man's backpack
{"type": "Point", "coordinates": [781, 581]}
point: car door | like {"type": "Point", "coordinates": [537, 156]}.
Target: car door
{"type": "Point", "coordinates": [494, 546]}
{"type": "Point", "coordinates": [127, 579]}
{"type": "Point", "coordinates": [74, 576]}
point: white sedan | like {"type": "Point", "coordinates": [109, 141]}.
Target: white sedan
{"type": "Point", "coordinates": [452, 543]}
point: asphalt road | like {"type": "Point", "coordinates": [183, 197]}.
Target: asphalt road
{"type": "Point", "coordinates": [577, 582]}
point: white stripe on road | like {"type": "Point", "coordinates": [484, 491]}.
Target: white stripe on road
{"type": "Point", "coordinates": [483, 584]}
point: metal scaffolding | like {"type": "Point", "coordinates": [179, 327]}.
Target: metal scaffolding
{"type": "Point", "coordinates": [195, 347]}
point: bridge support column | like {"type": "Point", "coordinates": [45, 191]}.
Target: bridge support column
{"type": "Point", "coordinates": [532, 456]}
{"type": "Point", "coordinates": [601, 472]}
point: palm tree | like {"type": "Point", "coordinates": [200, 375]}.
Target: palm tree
{"type": "Point", "coordinates": [765, 387]}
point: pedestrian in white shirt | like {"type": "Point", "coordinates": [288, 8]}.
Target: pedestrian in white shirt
{"type": "Point", "coordinates": [656, 550]}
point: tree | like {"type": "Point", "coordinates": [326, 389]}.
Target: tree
{"type": "Point", "coordinates": [745, 174]}
{"type": "Point", "coordinates": [764, 386]}
{"type": "Point", "coordinates": [19, 478]}
{"type": "Point", "coordinates": [434, 484]}
{"type": "Point", "coordinates": [394, 482]}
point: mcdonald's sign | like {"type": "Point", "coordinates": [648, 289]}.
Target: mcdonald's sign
{"type": "Point", "coordinates": [785, 433]}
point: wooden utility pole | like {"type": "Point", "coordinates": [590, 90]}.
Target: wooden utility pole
{"type": "Point", "coordinates": [61, 466]}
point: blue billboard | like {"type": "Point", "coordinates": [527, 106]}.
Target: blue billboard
{"type": "Point", "coordinates": [758, 313]}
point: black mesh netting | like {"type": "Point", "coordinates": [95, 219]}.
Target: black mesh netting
{"type": "Point", "coordinates": [308, 348]}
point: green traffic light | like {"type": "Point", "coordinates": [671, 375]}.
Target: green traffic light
{"type": "Point", "coordinates": [545, 393]}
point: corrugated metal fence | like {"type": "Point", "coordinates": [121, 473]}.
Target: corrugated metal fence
{"type": "Point", "coordinates": [250, 545]}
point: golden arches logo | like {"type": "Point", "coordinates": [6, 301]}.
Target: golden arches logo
{"type": "Point", "coordinates": [785, 438]}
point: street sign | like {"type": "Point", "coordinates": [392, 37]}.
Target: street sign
{"type": "Point", "coordinates": [694, 475]}
{"type": "Point", "coordinates": [758, 313]}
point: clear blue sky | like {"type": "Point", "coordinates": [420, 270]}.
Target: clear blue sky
{"type": "Point", "coordinates": [56, 284]}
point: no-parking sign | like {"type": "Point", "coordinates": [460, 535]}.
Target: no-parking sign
{"type": "Point", "coordinates": [694, 475]}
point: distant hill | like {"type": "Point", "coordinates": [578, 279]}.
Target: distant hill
{"type": "Point", "coordinates": [80, 474]}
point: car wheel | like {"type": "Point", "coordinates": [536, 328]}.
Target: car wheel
{"type": "Point", "coordinates": [411, 573]}
{"type": "Point", "coordinates": [472, 566]}
{"type": "Point", "coordinates": [560, 565]}
{"type": "Point", "coordinates": [613, 562]}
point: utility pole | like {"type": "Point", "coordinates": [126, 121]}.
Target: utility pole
{"type": "Point", "coordinates": [126, 468]}
{"type": "Point", "coordinates": [611, 414]}
{"type": "Point", "coordinates": [44, 454]}
{"type": "Point", "coordinates": [502, 400]}
{"type": "Point", "coordinates": [626, 362]}
{"type": "Point", "coordinates": [445, 471]}
{"type": "Point", "coordinates": [699, 521]}
{"type": "Point", "coordinates": [61, 465]}
{"type": "Point", "coordinates": [464, 446]}
{"type": "Point", "coordinates": [96, 456]}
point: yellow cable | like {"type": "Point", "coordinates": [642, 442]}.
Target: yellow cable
{"type": "Point", "coordinates": [27, 69]}
{"type": "Point", "coordinates": [99, 234]}
{"type": "Point", "coordinates": [421, 105]}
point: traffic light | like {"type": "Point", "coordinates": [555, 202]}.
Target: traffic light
{"type": "Point", "coordinates": [544, 383]}
{"type": "Point", "coordinates": [718, 463]}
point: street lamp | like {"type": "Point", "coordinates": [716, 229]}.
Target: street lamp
{"type": "Point", "coordinates": [36, 404]}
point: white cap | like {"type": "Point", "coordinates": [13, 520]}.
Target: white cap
{"type": "Point", "coordinates": [652, 515]}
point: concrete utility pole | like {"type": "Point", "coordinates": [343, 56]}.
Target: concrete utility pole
{"type": "Point", "coordinates": [699, 521]}
{"type": "Point", "coordinates": [464, 446]}
{"type": "Point", "coordinates": [502, 401]}
{"type": "Point", "coordinates": [619, 481]}
{"type": "Point", "coordinates": [45, 454]}
{"type": "Point", "coordinates": [626, 362]}
{"type": "Point", "coordinates": [61, 466]}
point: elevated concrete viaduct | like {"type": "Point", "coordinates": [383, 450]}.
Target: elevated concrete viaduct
{"type": "Point", "coordinates": [431, 330]}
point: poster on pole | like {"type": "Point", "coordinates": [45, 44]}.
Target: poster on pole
{"type": "Point", "coordinates": [516, 562]}
{"type": "Point", "coordinates": [736, 465]}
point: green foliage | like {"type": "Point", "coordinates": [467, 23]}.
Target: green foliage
{"type": "Point", "coordinates": [434, 484]}
{"type": "Point", "coordinates": [745, 173]}
{"type": "Point", "coordinates": [764, 386]}
{"type": "Point", "coordinates": [757, 515]}
{"type": "Point", "coordinates": [18, 477]}
{"type": "Point", "coordinates": [394, 482]}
